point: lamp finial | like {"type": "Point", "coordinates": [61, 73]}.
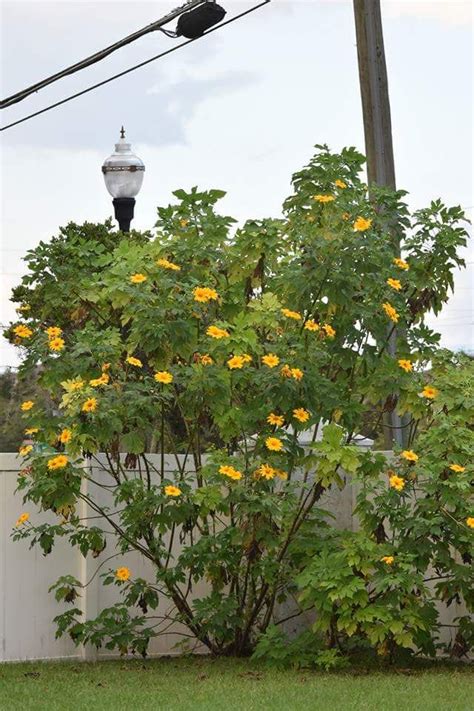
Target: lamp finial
{"type": "Point", "coordinates": [122, 132]}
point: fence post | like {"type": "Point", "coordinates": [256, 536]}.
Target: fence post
{"type": "Point", "coordinates": [89, 601]}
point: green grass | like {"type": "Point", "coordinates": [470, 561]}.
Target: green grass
{"type": "Point", "coordinates": [203, 684]}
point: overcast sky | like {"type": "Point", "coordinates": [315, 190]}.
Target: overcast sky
{"type": "Point", "coordinates": [239, 110]}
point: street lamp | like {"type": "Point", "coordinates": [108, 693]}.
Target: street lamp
{"type": "Point", "coordinates": [123, 175]}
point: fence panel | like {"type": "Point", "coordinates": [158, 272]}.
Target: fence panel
{"type": "Point", "coordinates": [26, 607]}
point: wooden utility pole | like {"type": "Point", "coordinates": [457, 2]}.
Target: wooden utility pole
{"type": "Point", "coordinates": [378, 132]}
{"type": "Point", "coordinates": [374, 93]}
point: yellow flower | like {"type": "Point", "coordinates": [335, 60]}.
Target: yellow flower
{"type": "Point", "coordinates": [105, 367]}
{"type": "Point", "coordinates": [286, 371]}
{"type": "Point", "coordinates": [301, 414]}
{"type": "Point", "coordinates": [134, 361]}
{"type": "Point", "coordinates": [225, 469]}
{"type": "Point", "coordinates": [22, 331]}
{"type": "Point", "coordinates": [281, 474]}
{"type": "Point", "coordinates": [204, 294]}
{"type": "Point", "coordinates": [407, 365]}
{"type": "Point", "coordinates": [311, 325]}
{"type": "Point", "coordinates": [345, 215]}
{"type": "Point", "coordinates": [429, 392]}
{"type": "Point", "coordinates": [274, 444]}
{"type": "Point", "coordinates": [396, 482]}
{"type": "Point", "coordinates": [323, 198]}
{"type": "Point", "coordinates": [271, 360]}
{"type": "Point", "coordinates": [340, 183]}
{"type": "Point", "coordinates": [23, 451]}
{"type": "Point", "coordinates": [122, 574]}
{"type": "Point", "coordinates": [395, 284]}
{"type": "Point", "coordinates": [23, 307]}
{"type": "Point", "coordinates": [163, 376]}
{"type": "Point", "coordinates": [330, 332]}
{"type": "Point", "coordinates": [235, 362]}
{"type": "Point", "coordinates": [216, 332]}
{"type": "Point", "coordinates": [58, 462]}
{"type": "Point", "coordinates": [56, 344]}
{"type": "Point", "coordinates": [54, 331]}
{"type": "Point", "coordinates": [361, 224]}
{"type": "Point", "coordinates": [247, 358]}
{"type": "Point", "coordinates": [27, 405]}
{"type": "Point", "coordinates": [90, 405]}
{"type": "Point", "coordinates": [206, 359]}
{"type": "Point", "coordinates": [409, 455]}
{"type": "Point", "coordinates": [168, 265]}
{"type": "Point", "coordinates": [457, 468]}
{"type": "Point", "coordinates": [235, 475]}
{"type": "Point", "coordinates": [138, 278]}
{"type": "Point", "coordinates": [31, 430]}
{"type": "Point", "coordinates": [265, 471]}
{"type": "Point", "coordinates": [171, 490]}
{"type": "Point", "coordinates": [291, 314]}
{"type": "Point", "coordinates": [65, 436]}
{"type": "Point", "coordinates": [72, 385]}
{"type": "Point", "coordinates": [401, 264]}
{"type": "Point", "coordinates": [391, 312]}
{"type": "Point", "coordinates": [23, 518]}
{"type": "Point", "coordinates": [230, 472]}
{"type": "Point", "coordinates": [277, 420]}
{"type": "Point", "coordinates": [184, 222]}
{"type": "Point", "coordinates": [97, 382]}
{"type": "Point", "coordinates": [296, 373]}
{"type": "Point", "coordinates": [388, 559]}
{"type": "Point", "coordinates": [470, 521]}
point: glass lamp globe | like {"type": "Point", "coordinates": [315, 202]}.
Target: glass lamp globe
{"type": "Point", "coordinates": [123, 170]}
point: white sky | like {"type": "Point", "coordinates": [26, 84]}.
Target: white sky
{"type": "Point", "coordinates": [239, 110]}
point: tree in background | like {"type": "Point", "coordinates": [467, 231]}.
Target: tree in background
{"type": "Point", "coordinates": [221, 345]}
{"type": "Point", "coordinates": [11, 422]}
{"type": "Point", "coordinates": [13, 391]}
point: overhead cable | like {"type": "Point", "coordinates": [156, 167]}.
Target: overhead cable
{"type": "Point", "coordinates": [132, 69]}
{"type": "Point", "coordinates": [98, 56]}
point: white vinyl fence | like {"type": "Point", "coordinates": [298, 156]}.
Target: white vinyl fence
{"type": "Point", "coordinates": [26, 607]}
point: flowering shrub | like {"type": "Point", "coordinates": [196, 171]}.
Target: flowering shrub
{"type": "Point", "coordinates": [222, 345]}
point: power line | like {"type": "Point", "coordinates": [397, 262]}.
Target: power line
{"type": "Point", "coordinates": [98, 56]}
{"type": "Point", "coordinates": [132, 69]}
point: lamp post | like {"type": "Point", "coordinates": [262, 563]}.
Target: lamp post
{"type": "Point", "coordinates": [123, 175]}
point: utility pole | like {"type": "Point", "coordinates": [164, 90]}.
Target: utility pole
{"type": "Point", "coordinates": [374, 93]}
{"type": "Point", "coordinates": [378, 136]}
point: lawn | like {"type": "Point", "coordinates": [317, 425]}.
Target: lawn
{"type": "Point", "coordinates": [185, 684]}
